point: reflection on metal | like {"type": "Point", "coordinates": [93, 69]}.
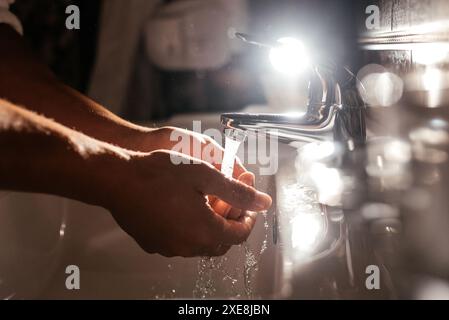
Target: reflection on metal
{"type": "Point", "coordinates": [378, 86]}
{"type": "Point", "coordinates": [330, 115]}
{"type": "Point", "coordinates": [407, 39]}
{"type": "Point", "coordinates": [314, 232]}
{"type": "Point", "coordinates": [388, 163]}
{"type": "Point", "coordinates": [430, 142]}
{"type": "Point", "coordinates": [333, 112]}
{"type": "Point", "coordinates": [290, 57]}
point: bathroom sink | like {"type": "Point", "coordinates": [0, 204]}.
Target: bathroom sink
{"type": "Point", "coordinates": [32, 242]}
{"type": "Point", "coordinates": [112, 266]}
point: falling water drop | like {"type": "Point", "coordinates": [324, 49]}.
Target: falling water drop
{"type": "Point", "coordinates": [207, 266]}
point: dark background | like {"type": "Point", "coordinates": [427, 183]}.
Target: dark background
{"type": "Point", "coordinates": [329, 26]}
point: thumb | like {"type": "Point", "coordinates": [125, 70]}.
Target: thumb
{"type": "Point", "coordinates": [224, 209]}
{"type": "Point", "coordinates": [210, 181]}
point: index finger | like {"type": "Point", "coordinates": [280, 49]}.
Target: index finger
{"type": "Point", "coordinates": [233, 232]}
{"type": "Point", "coordinates": [239, 169]}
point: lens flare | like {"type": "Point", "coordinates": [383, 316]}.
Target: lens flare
{"type": "Point", "coordinates": [306, 230]}
{"type": "Point", "coordinates": [290, 57]}
{"type": "Point", "coordinates": [378, 86]}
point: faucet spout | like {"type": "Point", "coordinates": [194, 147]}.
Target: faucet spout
{"type": "Point", "coordinates": [287, 128]}
{"type": "Point", "coordinates": [332, 114]}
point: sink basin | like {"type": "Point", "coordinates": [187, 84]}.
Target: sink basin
{"type": "Point", "coordinates": [112, 266]}
{"type": "Point", "coordinates": [32, 229]}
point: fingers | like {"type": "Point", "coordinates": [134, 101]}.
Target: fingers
{"type": "Point", "coordinates": [224, 209]}
{"type": "Point", "coordinates": [237, 194]}
{"type": "Point", "coordinates": [239, 169]}
{"type": "Point", "coordinates": [233, 232]}
{"type": "Point", "coordinates": [248, 178]}
{"type": "Point", "coordinates": [222, 234]}
{"type": "Point", "coordinates": [215, 235]}
{"type": "Point", "coordinates": [211, 235]}
{"type": "Point", "coordinates": [200, 230]}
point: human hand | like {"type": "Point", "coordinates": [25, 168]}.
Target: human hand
{"type": "Point", "coordinates": [166, 138]}
{"type": "Point", "coordinates": [210, 151]}
{"type": "Point", "coordinates": [165, 209]}
{"type": "Point", "coordinates": [199, 146]}
{"type": "Point", "coordinates": [224, 209]}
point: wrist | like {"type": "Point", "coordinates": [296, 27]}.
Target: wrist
{"type": "Point", "coordinates": [142, 139]}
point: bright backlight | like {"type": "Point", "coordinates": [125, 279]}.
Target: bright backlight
{"type": "Point", "coordinates": [306, 230]}
{"type": "Point", "coordinates": [430, 53]}
{"type": "Point", "coordinates": [290, 57]}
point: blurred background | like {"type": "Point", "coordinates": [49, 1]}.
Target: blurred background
{"type": "Point", "coordinates": [149, 59]}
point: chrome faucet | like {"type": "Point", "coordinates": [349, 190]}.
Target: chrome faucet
{"type": "Point", "coordinates": [334, 112]}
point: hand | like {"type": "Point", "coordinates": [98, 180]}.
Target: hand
{"type": "Point", "coordinates": [209, 151]}
{"type": "Point", "coordinates": [224, 209]}
{"type": "Point", "coordinates": [164, 206]}
{"type": "Point", "coordinates": [166, 138]}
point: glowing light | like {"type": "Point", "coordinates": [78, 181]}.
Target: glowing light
{"type": "Point", "coordinates": [432, 79]}
{"type": "Point", "coordinates": [386, 154]}
{"type": "Point", "coordinates": [438, 123]}
{"type": "Point", "coordinates": [306, 230]}
{"type": "Point", "coordinates": [329, 184]}
{"type": "Point", "coordinates": [377, 210]}
{"type": "Point", "coordinates": [389, 89]}
{"type": "Point", "coordinates": [379, 87]}
{"type": "Point", "coordinates": [427, 143]}
{"type": "Point", "coordinates": [62, 230]}
{"type": "Point", "coordinates": [430, 53]}
{"type": "Point", "coordinates": [388, 162]}
{"type": "Point", "coordinates": [290, 57]}
{"type": "Point", "coordinates": [318, 151]}
{"type": "Point", "coordinates": [295, 114]}
{"type": "Point", "coordinates": [432, 82]}
{"type": "Point", "coordinates": [430, 136]}
{"type": "Point", "coordinates": [397, 151]}
{"type": "Point", "coordinates": [433, 289]}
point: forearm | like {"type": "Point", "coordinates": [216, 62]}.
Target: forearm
{"type": "Point", "coordinates": [27, 82]}
{"type": "Point", "coordinates": [39, 155]}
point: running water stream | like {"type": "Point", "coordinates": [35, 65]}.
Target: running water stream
{"type": "Point", "coordinates": [206, 284]}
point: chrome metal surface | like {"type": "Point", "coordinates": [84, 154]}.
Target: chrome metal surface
{"type": "Point", "coordinates": [333, 113]}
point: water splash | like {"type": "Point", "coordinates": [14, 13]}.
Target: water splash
{"type": "Point", "coordinates": [231, 148]}
{"type": "Point", "coordinates": [204, 287]}
{"type": "Point", "coordinates": [218, 270]}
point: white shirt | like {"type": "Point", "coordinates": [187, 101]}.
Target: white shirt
{"type": "Point", "coordinates": [7, 17]}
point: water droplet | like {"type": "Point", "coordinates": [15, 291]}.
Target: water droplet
{"type": "Point", "coordinates": [211, 269]}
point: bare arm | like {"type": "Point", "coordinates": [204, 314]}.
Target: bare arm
{"type": "Point", "coordinates": [163, 206]}
{"type": "Point", "coordinates": [40, 155]}
{"type": "Point", "coordinates": [25, 81]}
